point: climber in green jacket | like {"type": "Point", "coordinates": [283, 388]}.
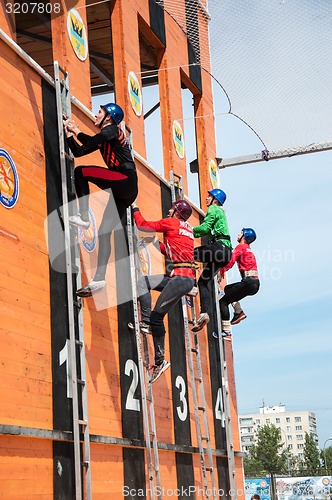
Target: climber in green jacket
{"type": "Point", "coordinates": [216, 254]}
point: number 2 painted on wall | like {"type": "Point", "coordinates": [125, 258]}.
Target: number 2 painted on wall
{"type": "Point", "coordinates": [132, 403]}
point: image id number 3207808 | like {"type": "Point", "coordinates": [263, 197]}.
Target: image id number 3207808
{"type": "Point", "coordinates": [31, 7]}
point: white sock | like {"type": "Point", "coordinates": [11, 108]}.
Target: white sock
{"type": "Point", "coordinates": [226, 326]}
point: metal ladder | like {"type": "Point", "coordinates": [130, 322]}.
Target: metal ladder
{"type": "Point", "coordinates": [149, 422]}
{"type": "Point", "coordinates": [76, 345]}
{"type": "Point", "coordinates": [226, 420]}
{"type": "Point", "coordinates": [197, 382]}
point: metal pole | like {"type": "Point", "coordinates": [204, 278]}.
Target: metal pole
{"type": "Point", "coordinates": [288, 468]}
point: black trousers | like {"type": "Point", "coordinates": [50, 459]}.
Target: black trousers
{"type": "Point", "coordinates": [214, 256]}
{"type": "Point", "coordinates": [235, 292]}
{"type": "Point", "coordinates": [122, 186]}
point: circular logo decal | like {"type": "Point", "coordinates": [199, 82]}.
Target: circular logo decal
{"type": "Point", "coordinates": [89, 236]}
{"type": "Point", "coordinates": [326, 481]}
{"type": "Point", "coordinates": [9, 187]}
{"type": "Point", "coordinates": [144, 257]}
{"type": "Point", "coordinates": [77, 34]}
{"type": "Point", "coordinates": [178, 138]}
{"type": "Point", "coordinates": [214, 175]}
{"type": "Point", "coordinates": [135, 93]}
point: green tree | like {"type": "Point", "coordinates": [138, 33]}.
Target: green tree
{"type": "Point", "coordinates": [253, 467]}
{"type": "Point", "coordinates": [328, 455]}
{"type": "Point", "coordinates": [311, 455]}
{"type": "Point", "coordinates": [268, 450]}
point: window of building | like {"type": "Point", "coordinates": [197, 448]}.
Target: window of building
{"type": "Point", "coordinates": [299, 436]}
{"type": "Point", "coordinates": [290, 446]}
{"type": "Point", "coordinates": [189, 128]}
{"type": "Point", "coordinates": [297, 419]}
{"type": "Point", "coordinates": [300, 446]}
{"type": "Point", "coordinates": [34, 36]}
{"type": "Point", "coordinates": [258, 421]}
{"type": "Point", "coordinates": [288, 428]}
{"type": "Point", "coordinates": [268, 421]}
{"type": "Point", "coordinates": [245, 421]}
{"type": "Point", "coordinates": [298, 427]}
{"type": "Point", "coordinates": [150, 55]}
{"type": "Point", "coordinates": [101, 51]}
{"type": "Point", "coordinates": [277, 420]}
{"type": "Point", "coordinates": [287, 419]}
{"type": "Point", "coordinates": [289, 437]}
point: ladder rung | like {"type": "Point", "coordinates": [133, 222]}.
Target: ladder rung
{"type": "Point", "coordinates": [205, 439]}
{"type": "Point", "coordinates": [198, 380]}
{"type": "Point", "coordinates": [79, 342]}
{"type": "Point", "coordinates": [78, 304]}
{"type": "Point", "coordinates": [201, 408]}
{"type": "Point", "coordinates": [209, 469]}
{"type": "Point", "coordinates": [85, 464]}
{"type": "Point", "coordinates": [80, 381]}
{"type": "Point", "coordinates": [194, 350]}
{"type": "Point", "coordinates": [83, 422]}
{"type": "Point", "coordinates": [68, 157]}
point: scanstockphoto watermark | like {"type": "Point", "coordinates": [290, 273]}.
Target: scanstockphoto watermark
{"type": "Point", "coordinates": [183, 492]}
{"type": "Point", "coordinates": [119, 262]}
{"type": "Point", "coordinates": [272, 261]}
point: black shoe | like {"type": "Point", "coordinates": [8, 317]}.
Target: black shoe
{"type": "Point", "coordinates": [238, 317]}
{"type": "Point", "coordinates": [144, 327]}
{"type": "Point", "coordinates": [203, 320]}
{"type": "Point", "coordinates": [159, 370]}
{"type": "Point", "coordinates": [91, 288]}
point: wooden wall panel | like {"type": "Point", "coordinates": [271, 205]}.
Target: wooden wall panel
{"type": "Point", "coordinates": [26, 469]}
{"type": "Point", "coordinates": [63, 52]}
{"type": "Point", "coordinates": [24, 292]}
{"type": "Point", "coordinates": [25, 368]}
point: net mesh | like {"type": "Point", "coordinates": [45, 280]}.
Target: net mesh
{"type": "Point", "coordinates": [273, 59]}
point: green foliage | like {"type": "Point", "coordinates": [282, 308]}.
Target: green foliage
{"type": "Point", "coordinates": [267, 454]}
{"type": "Point", "coordinates": [311, 455]}
{"type": "Point", "coordinates": [328, 456]}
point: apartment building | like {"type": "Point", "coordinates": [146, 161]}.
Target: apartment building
{"type": "Point", "coordinates": [293, 426]}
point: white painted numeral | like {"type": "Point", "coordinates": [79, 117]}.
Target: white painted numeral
{"type": "Point", "coordinates": [65, 358]}
{"type": "Point", "coordinates": [219, 413]}
{"type": "Point", "coordinates": [182, 412]}
{"type": "Point", "coordinates": [132, 403]}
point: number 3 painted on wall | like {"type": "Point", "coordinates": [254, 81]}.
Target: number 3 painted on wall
{"type": "Point", "coordinates": [182, 412]}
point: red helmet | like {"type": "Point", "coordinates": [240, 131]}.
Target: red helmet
{"type": "Point", "coordinates": [183, 209]}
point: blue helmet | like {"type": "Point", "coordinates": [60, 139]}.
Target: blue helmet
{"type": "Point", "coordinates": [249, 234]}
{"type": "Point", "coordinates": [115, 111]}
{"type": "Point", "coordinates": [219, 195]}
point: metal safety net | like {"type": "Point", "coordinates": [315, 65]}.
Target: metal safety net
{"type": "Point", "coordinates": [273, 58]}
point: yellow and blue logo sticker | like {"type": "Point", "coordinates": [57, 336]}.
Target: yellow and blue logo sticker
{"type": "Point", "coordinates": [89, 236]}
{"type": "Point", "coordinates": [9, 185]}
{"type": "Point", "coordinates": [214, 174]}
{"type": "Point", "coordinates": [135, 93]}
{"type": "Point", "coordinates": [77, 34]}
{"type": "Point", "coordinates": [178, 138]}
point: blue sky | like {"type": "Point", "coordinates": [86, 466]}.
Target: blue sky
{"type": "Point", "coordinates": [282, 351]}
